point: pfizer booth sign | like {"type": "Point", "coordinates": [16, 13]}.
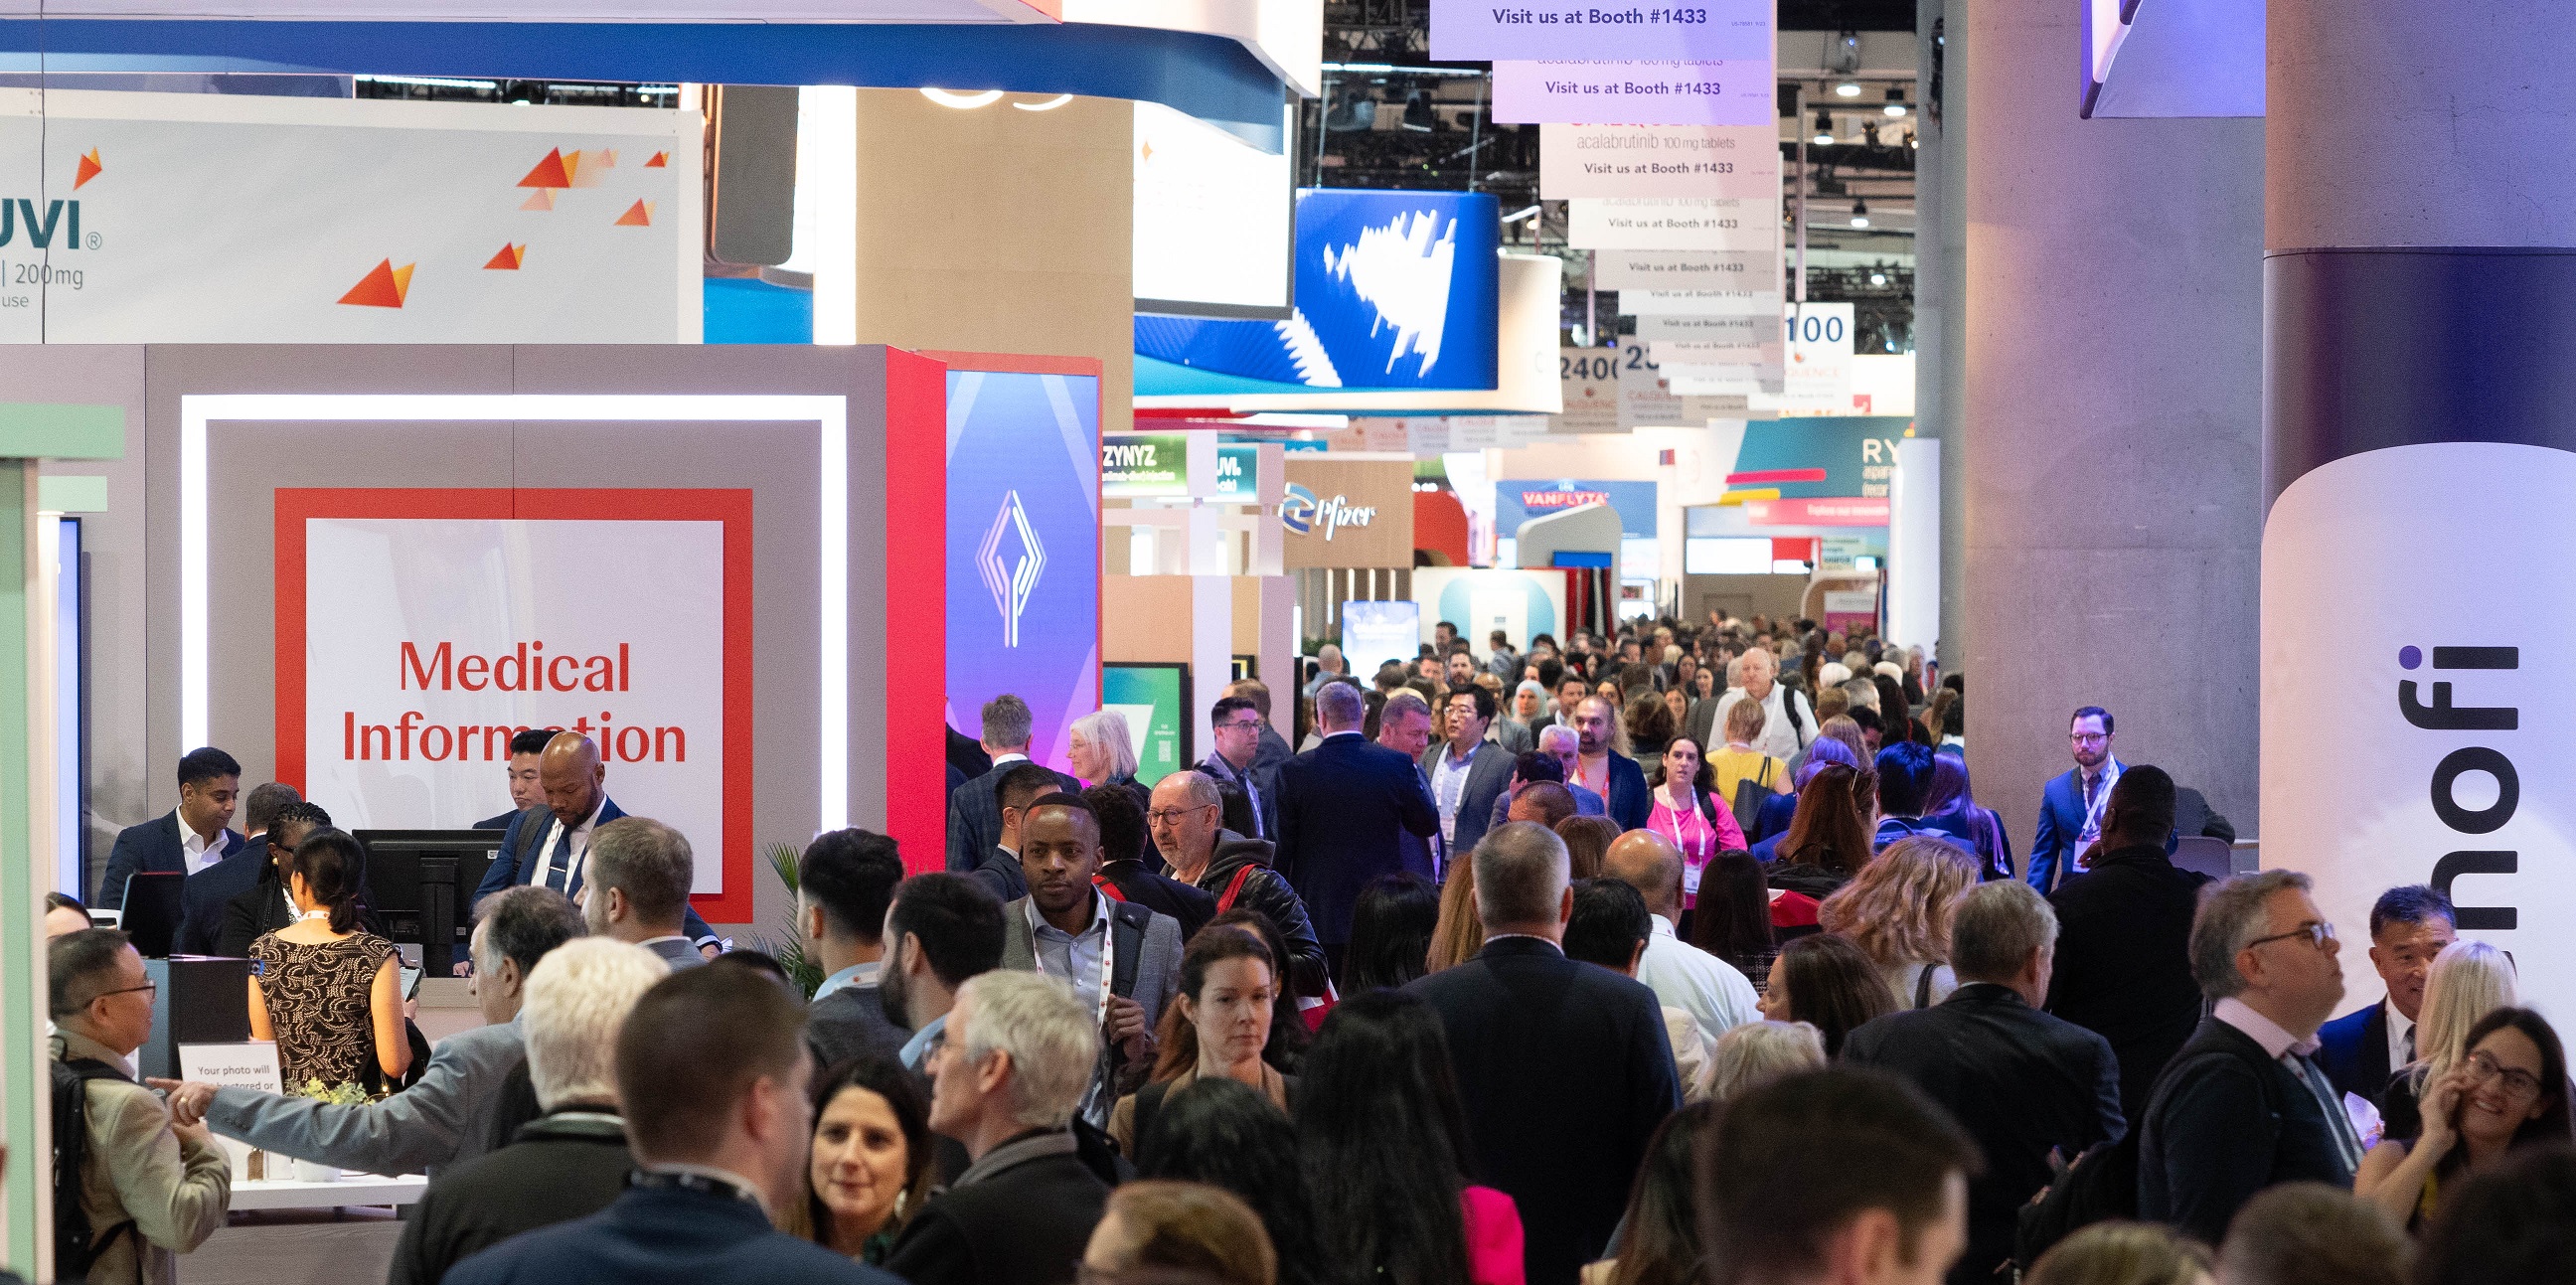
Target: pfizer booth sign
{"type": "Point", "coordinates": [2406, 738]}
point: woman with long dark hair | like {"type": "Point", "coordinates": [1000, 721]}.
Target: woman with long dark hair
{"type": "Point", "coordinates": [328, 992]}
{"type": "Point", "coordinates": [1828, 839]}
{"type": "Point", "coordinates": [1226, 1134]}
{"type": "Point", "coordinates": [2510, 1092]}
{"type": "Point", "coordinates": [1659, 1236]}
{"type": "Point", "coordinates": [1383, 1140]}
{"type": "Point", "coordinates": [1829, 984]}
{"type": "Point", "coordinates": [870, 1164]}
{"type": "Point", "coordinates": [1688, 811]}
{"type": "Point", "coordinates": [1733, 918]}
{"type": "Point", "coordinates": [1391, 927]}
{"type": "Point", "coordinates": [1288, 1029]}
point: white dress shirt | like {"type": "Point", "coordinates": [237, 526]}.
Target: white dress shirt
{"type": "Point", "coordinates": [2401, 1036]}
{"type": "Point", "coordinates": [1695, 981]}
{"type": "Point", "coordinates": [574, 856]}
{"type": "Point", "coordinates": [197, 852]}
{"type": "Point", "coordinates": [1778, 739]}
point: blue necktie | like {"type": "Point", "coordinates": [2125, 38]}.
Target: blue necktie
{"type": "Point", "coordinates": [559, 862]}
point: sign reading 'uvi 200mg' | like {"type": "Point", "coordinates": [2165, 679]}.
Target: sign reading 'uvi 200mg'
{"type": "Point", "coordinates": [433, 625]}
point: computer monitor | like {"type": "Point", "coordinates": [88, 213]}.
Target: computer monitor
{"type": "Point", "coordinates": [421, 883]}
{"type": "Point", "coordinates": [152, 909]}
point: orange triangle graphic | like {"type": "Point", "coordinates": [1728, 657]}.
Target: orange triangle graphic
{"type": "Point", "coordinates": [541, 199]}
{"type": "Point", "coordinates": [385, 287]}
{"type": "Point", "coordinates": [607, 158]}
{"type": "Point", "coordinates": [554, 171]}
{"type": "Point", "coordinates": [509, 259]}
{"type": "Point", "coordinates": [661, 160]}
{"type": "Point", "coordinates": [89, 169]}
{"type": "Point", "coordinates": [638, 215]}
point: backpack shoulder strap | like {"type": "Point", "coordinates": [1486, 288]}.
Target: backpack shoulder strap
{"type": "Point", "coordinates": [1234, 887]}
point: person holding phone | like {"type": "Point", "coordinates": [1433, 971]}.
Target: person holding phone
{"type": "Point", "coordinates": [2510, 1092]}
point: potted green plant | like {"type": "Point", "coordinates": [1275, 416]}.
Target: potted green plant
{"type": "Point", "coordinates": [346, 1094]}
{"type": "Point", "coordinates": [786, 861]}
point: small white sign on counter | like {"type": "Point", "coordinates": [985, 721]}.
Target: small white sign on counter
{"type": "Point", "coordinates": [248, 1065]}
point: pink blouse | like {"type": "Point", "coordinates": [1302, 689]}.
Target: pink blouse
{"type": "Point", "coordinates": [1493, 1237]}
{"type": "Point", "coordinates": [1698, 837]}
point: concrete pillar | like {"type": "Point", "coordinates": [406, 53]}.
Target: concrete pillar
{"type": "Point", "coordinates": [997, 229]}
{"type": "Point", "coordinates": [1940, 290]}
{"type": "Point", "coordinates": [2113, 326]}
{"type": "Point", "coordinates": [2420, 448]}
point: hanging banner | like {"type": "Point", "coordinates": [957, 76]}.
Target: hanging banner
{"type": "Point", "coordinates": [1699, 303]}
{"type": "Point", "coordinates": [1474, 30]}
{"type": "Point", "coordinates": [1624, 223]}
{"type": "Point", "coordinates": [1819, 360]}
{"type": "Point", "coordinates": [1687, 161]}
{"type": "Point", "coordinates": [1646, 399]}
{"type": "Point", "coordinates": [1657, 332]}
{"type": "Point", "coordinates": [1591, 390]}
{"type": "Point", "coordinates": [1737, 92]}
{"type": "Point", "coordinates": [1624, 269]}
{"type": "Point", "coordinates": [1134, 465]}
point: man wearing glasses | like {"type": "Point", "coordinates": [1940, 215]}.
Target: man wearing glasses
{"type": "Point", "coordinates": [2244, 1105]}
{"type": "Point", "coordinates": [2071, 808]}
{"type": "Point", "coordinates": [1237, 724]}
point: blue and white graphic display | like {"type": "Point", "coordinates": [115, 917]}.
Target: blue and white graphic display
{"type": "Point", "coordinates": [1394, 290]}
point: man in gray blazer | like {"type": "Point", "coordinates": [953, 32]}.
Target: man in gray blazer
{"type": "Point", "coordinates": [1468, 774]}
{"type": "Point", "coordinates": [1070, 929]}
{"type": "Point", "coordinates": [439, 1121]}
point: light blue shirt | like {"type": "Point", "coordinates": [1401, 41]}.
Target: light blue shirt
{"type": "Point", "coordinates": [854, 975]}
{"type": "Point", "coordinates": [1448, 785]}
{"type": "Point", "coordinates": [1074, 959]}
{"type": "Point", "coordinates": [918, 1046]}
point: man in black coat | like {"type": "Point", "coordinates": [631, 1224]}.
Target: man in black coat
{"type": "Point", "coordinates": [2244, 1105]}
{"type": "Point", "coordinates": [189, 838]}
{"type": "Point", "coordinates": [1123, 875]}
{"type": "Point", "coordinates": [1563, 1068]}
{"type": "Point", "coordinates": [1232, 869]}
{"type": "Point", "coordinates": [843, 887]}
{"type": "Point", "coordinates": [205, 894]}
{"type": "Point", "coordinates": [2020, 1082]}
{"type": "Point", "coordinates": [975, 808]}
{"type": "Point", "coordinates": [720, 1137]}
{"type": "Point", "coordinates": [2124, 933]}
{"type": "Point", "coordinates": [1342, 806]}
{"type": "Point", "coordinates": [1025, 1207]}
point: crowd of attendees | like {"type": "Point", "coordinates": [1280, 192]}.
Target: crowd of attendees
{"type": "Point", "coordinates": [1684, 955]}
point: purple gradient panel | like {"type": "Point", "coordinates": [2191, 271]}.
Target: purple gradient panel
{"type": "Point", "coordinates": [1023, 551]}
{"type": "Point", "coordinates": [1635, 93]}
{"type": "Point", "coordinates": [1535, 29]}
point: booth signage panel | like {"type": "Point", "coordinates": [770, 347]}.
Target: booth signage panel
{"type": "Point", "coordinates": [1153, 697]}
{"type": "Point", "coordinates": [1023, 548]}
{"type": "Point", "coordinates": [1699, 303]}
{"type": "Point", "coordinates": [1655, 223]}
{"type": "Point", "coordinates": [1735, 92]}
{"type": "Point", "coordinates": [1648, 400]}
{"type": "Point", "coordinates": [1819, 457]}
{"type": "Point", "coordinates": [1851, 608]}
{"type": "Point", "coordinates": [1820, 359]}
{"type": "Point", "coordinates": [1590, 377]}
{"type": "Point", "coordinates": [1832, 512]}
{"type": "Point", "coordinates": [1516, 502]}
{"type": "Point", "coordinates": [1214, 218]}
{"type": "Point", "coordinates": [1374, 633]}
{"type": "Point", "coordinates": [213, 218]}
{"type": "Point", "coordinates": [1659, 160]}
{"type": "Point", "coordinates": [1347, 513]}
{"type": "Point", "coordinates": [432, 624]}
{"type": "Point", "coordinates": [1137, 465]}
{"type": "Point", "coordinates": [1481, 29]}
{"type": "Point", "coordinates": [1625, 270]}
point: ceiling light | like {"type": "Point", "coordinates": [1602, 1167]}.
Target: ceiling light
{"type": "Point", "coordinates": [1847, 89]}
{"type": "Point", "coordinates": [953, 98]}
{"type": "Point", "coordinates": [1047, 106]}
{"type": "Point", "coordinates": [1518, 215]}
{"type": "Point", "coordinates": [1824, 128]}
{"type": "Point", "coordinates": [1895, 102]}
{"type": "Point", "coordinates": [1860, 214]}
{"type": "Point", "coordinates": [1878, 278]}
{"type": "Point", "coordinates": [1895, 109]}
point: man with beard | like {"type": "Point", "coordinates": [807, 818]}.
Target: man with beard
{"type": "Point", "coordinates": [638, 888]}
{"type": "Point", "coordinates": [2072, 805]}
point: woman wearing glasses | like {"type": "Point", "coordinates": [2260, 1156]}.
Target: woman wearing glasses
{"type": "Point", "coordinates": [2510, 1092]}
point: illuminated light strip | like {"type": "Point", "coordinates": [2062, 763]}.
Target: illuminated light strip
{"type": "Point", "coordinates": [197, 411]}
{"type": "Point", "coordinates": [1775, 475]}
{"type": "Point", "coordinates": [1754, 496]}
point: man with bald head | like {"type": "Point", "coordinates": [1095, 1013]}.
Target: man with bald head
{"type": "Point", "coordinates": [1680, 974]}
{"type": "Point", "coordinates": [1187, 823]}
{"type": "Point", "coordinates": [1789, 725]}
{"type": "Point", "coordinates": [548, 845]}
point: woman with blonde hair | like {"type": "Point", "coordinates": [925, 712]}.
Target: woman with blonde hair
{"type": "Point", "coordinates": [1898, 910]}
{"type": "Point", "coordinates": [1100, 752]}
{"type": "Point", "coordinates": [1461, 930]}
{"type": "Point", "coordinates": [2469, 980]}
{"type": "Point", "coordinates": [1755, 1054]}
{"type": "Point", "coordinates": [2123, 1253]}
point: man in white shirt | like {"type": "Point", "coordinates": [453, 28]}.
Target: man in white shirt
{"type": "Point", "coordinates": [1681, 975]}
{"type": "Point", "coordinates": [190, 838]}
{"type": "Point", "coordinates": [2363, 1048]}
{"type": "Point", "coordinates": [1790, 723]}
{"type": "Point", "coordinates": [638, 889]}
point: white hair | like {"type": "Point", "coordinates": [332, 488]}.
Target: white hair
{"type": "Point", "coordinates": [578, 998]}
{"type": "Point", "coordinates": [1756, 1053]}
{"type": "Point", "coordinates": [1554, 732]}
{"type": "Point", "coordinates": [1049, 1035]}
{"type": "Point", "coordinates": [1106, 730]}
{"type": "Point", "coordinates": [1832, 673]}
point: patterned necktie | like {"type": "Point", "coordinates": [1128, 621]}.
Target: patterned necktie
{"type": "Point", "coordinates": [559, 862]}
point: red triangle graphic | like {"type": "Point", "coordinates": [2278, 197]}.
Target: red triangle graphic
{"type": "Point", "coordinates": [638, 215]}
{"type": "Point", "coordinates": [377, 290]}
{"type": "Point", "coordinates": [508, 259]}
{"type": "Point", "coordinates": [549, 172]}
{"type": "Point", "coordinates": [661, 160]}
{"type": "Point", "coordinates": [89, 169]}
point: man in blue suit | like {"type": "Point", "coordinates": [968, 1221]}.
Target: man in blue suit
{"type": "Point", "coordinates": [719, 1138]}
{"type": "Point", "coordinates": [2363, 1048]}
{"type": "Point", "coordinates": [1343, 807]}
{"type": "Point", "coordinates": [203, 897]}
{"type": "Point", "coordinates": [1468, 773]}
{"type": "Point", "coordinates": [1602, 769]}
{"type": "Point", "coordinates": [191, 838]}
{"type": "Point", "coordinates": [2070, 809]}
{"type": "Point", "coordinates": [549, 844]}
{"type": "Point", "coordinates": [525, 791]}
{"type": "Point", "coordinates": [974, 808]}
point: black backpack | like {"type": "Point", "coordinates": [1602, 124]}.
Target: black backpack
{"type": "Point", "coordinates": [2102, 1184]}
{"type": "Point", "coordinates": [77, 1245]}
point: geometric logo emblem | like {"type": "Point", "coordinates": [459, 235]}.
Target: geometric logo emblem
{"type": "Point", "coordinates": [1297, 509]}
{"type": "Point", "coordinates": [1010, 581]}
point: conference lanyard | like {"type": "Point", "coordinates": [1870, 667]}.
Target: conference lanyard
{"type": "Point", "coordinates": [2101, 798]}
{"type": "Point", "coordinates": [1108, 947]}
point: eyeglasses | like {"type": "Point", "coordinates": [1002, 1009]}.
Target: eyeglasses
{"type": "Point", "coordinates": [2517, 1083]}
{"type": "Point", "coordinates": [2090, 738]}
{"type": "Point", "coordinates": [151, 987]}
{"type": "Point", "coordinates": [2317, 931]}
{"type": "Point", "coordinates": [1164, 816]}
{"type": "Point", "coordinates": [1240, 725]}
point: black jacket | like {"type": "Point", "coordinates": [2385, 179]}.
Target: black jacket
{"type": "Point", "coordinates": [206, 894]}
{"type": "Point", "coordinates": [975, 816]}
{"type": "Point", "coordinates": [1565, 1073]}
{"type": "Point", "coordinates": [1267, 891]}
{"type": "Point", "coordinates": [2227, 1122]}
{"type": "Point", "coordinates": [1019, 1216]}
{"type": "Point", "coordinates": [1000, 874]}
{"type": "Point", "coordinates": [2124, 961]}
{"type": "Point", "coordinates": [562, 1167]}
{"type": "Point", "coordinates": [1342, 806]}
{"type": "Point", "coordinates": [2020, 1082]}
{"type": "Point", "coordinates": [1183, 902]}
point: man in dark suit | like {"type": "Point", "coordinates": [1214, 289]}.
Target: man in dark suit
{"type": "Point", "coordinates": [843, 888]}
{"type": "Point", "coordinates": [2020, 1082]}
{"type": "Point", "coordinates": [1342, 805]}
{"type": "Point", "coordinates": [526, 791]}
{"type": "Point", "coordinates": [1570, 691]}
{"type": "Point", "coordinates": [720, 1137]}
{"type": "Point", "coordinates": [1022, 784]}
{"type": "Point", "coordinates": [2124, 933]}
{"type": "Point", "coordinates": [2244, 1106]}
{"type": "Point", "coordinates": [2071, 807]}
{"type": "Point", "coordinates": [2408, 927]}
{"type": "Point", "coordinates": [1025, 1207]}
{"type": "Point", "coordinates": [1404, 726]}
{"type": "Point", "coordinates": [192, 837]}
{"type": "Point", "coordinates": [1123, 875]}
{"type": "Point", "coordinates": [1602, 769]}
{"type": "Point", "coordinates": [1275, 749]}
{"type": "Point", "coordinates": [974, 809]}
{"type": "Point", "coordinates": [205, 894]}
{"type": "Point", "coordinates": [1563, 1068]}
{"type": "Point", "coordinates": [1236, 726]}
{"type": "Point", "coordinates": [966, 757]}
{"type": "Point", "coordinates": [549, 845]}
{"type": "Point", "coordinates": [1468, 773]}
{"type": "Point", "coordinates": [568, 1163]}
